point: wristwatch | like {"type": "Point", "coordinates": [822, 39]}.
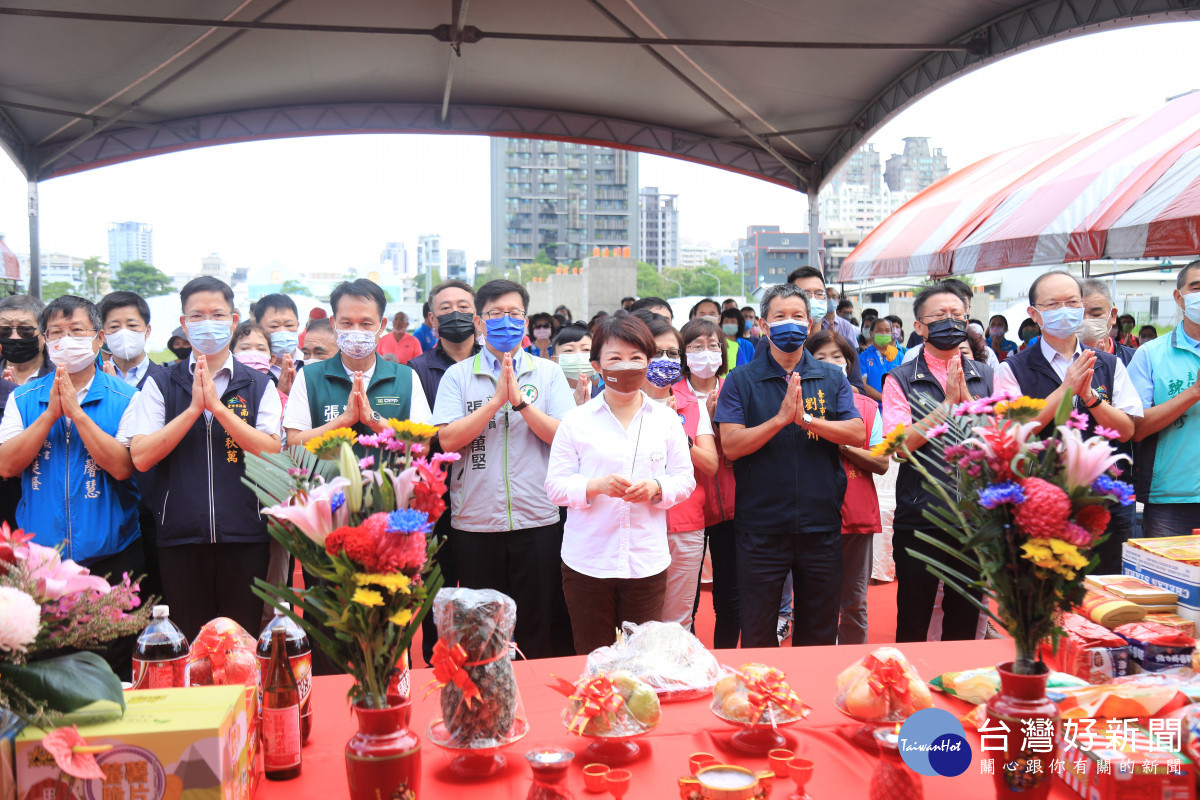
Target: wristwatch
{"type": "Point", "coordinates": [522, 406]}
{"type": "Point", "coordinates": [376, 417]}
{"type": "Point", "coordinates": [808, 418]}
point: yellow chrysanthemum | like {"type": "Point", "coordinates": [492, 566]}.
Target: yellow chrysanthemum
{"type": "Point", "coordinates": [329, 444]}
{"type": "Point", "coordinates": [401, 617]}
{"type": "Point", "coordinates": [1023, 408]}
{"type": "Point", "coordinates": [891, 443]}
{"type": "Point", "coordinates": [367, 597]}
{"type": "Point", "coordinates": [410, 431]}
{"type": "Point", "coordinates": [1061, 557]}
{"type": "Point", "coordinates": [395, 582]}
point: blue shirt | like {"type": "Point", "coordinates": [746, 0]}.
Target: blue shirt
{"type": "Point", "coordinates": [426, 337]}
{"type": "Point", "coordinates": [1141, 371]}
{"type": "Point", "coordinates": [729, 404]}
{"type": "Point", "coordinates": [874, 366]}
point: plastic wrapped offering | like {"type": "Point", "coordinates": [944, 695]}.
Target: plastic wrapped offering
{"type": "Point", "coordinates": [757, 695]}
{"type": "Point", "coordinates": [613, 704]}
{"type": "Point", "coordinates": [662, 654]}
{"type": "Point", "coordinates": [479, 697]}
{"type": "Point", "coordinates": [882, 687]}
{"type": "Point", "coordinates": [222, 655]}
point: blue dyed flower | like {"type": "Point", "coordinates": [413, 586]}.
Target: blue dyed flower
{"type": "Point", "coordinates": [1118, 489]}
{"type": "Point", "coordinates": [408, 520]}
{"type": "Point", "coordinates": [1001, 493]}
{"type": "Point", "coordinates": [337, 501]}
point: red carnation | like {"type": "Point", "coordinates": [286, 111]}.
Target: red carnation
{"type": "Point", "coordinates": [361, 548]}
{"type": "Point", "coordinates": [1044, 513]}
{"type": "Point", "coordinates": [376, 525]}
{"type": "Point", "coordinates": [1094, 517]}
{"type": "Point", "coordinates": [402, 552]}
{"type": "Point", "coordinates": [336, 540]}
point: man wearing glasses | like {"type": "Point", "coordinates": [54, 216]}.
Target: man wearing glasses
{"type": "Point", "coordinates": [500, 410]}
{"type": "Point", "coordinates": [196, 421]}
{"type": "Point", "coordinates": [1102, 388]}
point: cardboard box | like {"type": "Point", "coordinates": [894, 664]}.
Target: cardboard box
{"type": "Point", "coordinates": [1177, 576]}
{"type": "Point", "coordinates": [171, 744]}
{"type": "Point", "coordinates": [1135, 770]}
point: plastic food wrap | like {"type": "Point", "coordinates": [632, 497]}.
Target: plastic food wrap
{"type": "Point", "coordinates": [1090, 651]}
{"type": "Point", "coordinates": [882, 687]}
{"type": "Point", "coordinates": [612, 704]}
{"type": "Point", "coordinates": [1109, 610]}
{"type": "Point", "coordinates": [662, 654]}
{"type": "Point", "coordinates": [1157, 648]}
{"type": "Point", "coordinates": [757, 695]}
{"type": "Point", "coordinates": [1184, 626]}
{"type": "Point", "coordinates": [980, 685]}
{"type": "Point", "coordinates": [479, 697]}
{"type": "Point", "coordinates": [222, 655]}
{"type": "Point", "coordinates": [1134, 696]}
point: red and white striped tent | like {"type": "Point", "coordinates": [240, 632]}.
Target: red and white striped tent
{"type": "Point", "coordinates": [1128, 190]}
{"type": "Point", "coordinates": [10, 267]}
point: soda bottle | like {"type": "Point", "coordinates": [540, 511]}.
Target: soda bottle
{"type": "Point", "coordinates": [300, 655]}
{"type": "Point", "coordinates": [160, 657]}
{"type": "Point", "coordinates": [280, 714]}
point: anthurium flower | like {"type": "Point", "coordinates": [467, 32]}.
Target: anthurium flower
{"type": "Point", "coordinates": [72, 754]}
{"type": "Point", "coordinates": [316, 513]}
{"type": "Point", "coordinates": [12, 546]}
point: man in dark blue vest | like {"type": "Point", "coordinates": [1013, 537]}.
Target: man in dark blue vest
{"type": "Point", "coordinates": [938, 379]}
{"type": "Point", "coordinates": [783, 417]}
{"type": "Point", "coordinates": [1059, 363]}
{"type": "Point", "coordinates": [196, 422]}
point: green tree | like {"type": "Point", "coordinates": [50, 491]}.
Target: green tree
{"type": "Point", "coordinates": [649, 282]}
{"type": "Point", "coordinates": [56, 289]}
{"type": "Point", "coordinates": [292, 286]}
{"type": "Point", "coordinates": [543, 258]}
{"type": "Point", "coordinates": [141, 278]}
{"type": "Point", "coordinates": [95, 272]}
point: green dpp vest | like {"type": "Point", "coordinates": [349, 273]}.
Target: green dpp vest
{"type": "Point", "coordinates": [390, 390]}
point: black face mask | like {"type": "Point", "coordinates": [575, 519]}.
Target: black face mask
{"type": "Point", "coordinates": [947, 334]}
{"type": "Point", "coordinates": [456, 327]}
{"type": "Point", "coordinates": [182, 353]}
{"type": "Point", "coordinates": [19, 351]}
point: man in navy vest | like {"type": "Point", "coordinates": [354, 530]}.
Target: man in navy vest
{"type": "Point", "coordinates": [196, 422]}
{"type": "Point", "coordinates": [1060, 363]}
{"type": "Point", "coordinates": [782, 418]}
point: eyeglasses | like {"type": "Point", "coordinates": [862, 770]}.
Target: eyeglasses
{"type": "Point", "coordinates": [24, 331]}
{"type": "Point", "coordinates": [816, 295]}
{"type": "Point", "coordinates": [496, 313]}
{"type": "Point", "coordinates": [939, 317]}
{"type": "Point", "coordinates": [220, 316]}
{"type": "Point", "coordinates": [1056, 305]}
{"type": "Point", "coordinates": [699, 348]}
{"type": "Point", "coordinates": [672, 353]}
{"type": "Point", "coordinates": [74, 333]}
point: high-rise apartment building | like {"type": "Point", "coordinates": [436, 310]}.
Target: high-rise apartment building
{"type": "Point", "coordinates": [917, 167]}
{"type": "Point", "coordinates": [395, 256]}
{"type": "Point", "coordinates": [659, 232]}
{"type": "Point", "coordinates": [456, 265]}
{"type": "Point", "coordinates": [129, 241]}
{"type": "Point", "coordinates": [562, 197]}
{"type": "Point", "coordinates": [768, 254]}
{"type": "Point", "coordinates": [429, 260]}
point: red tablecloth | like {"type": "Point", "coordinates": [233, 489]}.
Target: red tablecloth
{"type": "Point", "coordinates": [843, 771]}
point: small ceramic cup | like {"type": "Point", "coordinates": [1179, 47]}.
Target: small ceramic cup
{"type": "Point", "coordinates": [593, 778]}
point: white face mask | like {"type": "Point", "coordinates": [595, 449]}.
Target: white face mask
{"type": "Point", "coordinates": [74, 353]}
{"type": "Point", "coordinates": [704, 364]}
{"type": "Point", "coordinates": [356, 344]}
{"type": "Point", "coordinates": [125, 343]}
{"type": "Point", "coordinates": [713, 319]}
{"type": "Point", "coordinates": [1093, 330]}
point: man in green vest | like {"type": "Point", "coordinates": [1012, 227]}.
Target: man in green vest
{"type": "Point", "coordinates": [355, 389]}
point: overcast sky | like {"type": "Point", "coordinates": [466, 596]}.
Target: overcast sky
{"type": "Point", "coordinates": [334, 201]}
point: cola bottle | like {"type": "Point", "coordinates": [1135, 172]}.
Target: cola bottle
{"type": "Point", "coordinates": [280, 714]}
{"type": "Point", "coordinates": [160, 657]}
{"type": "Point", "coordinates": [299, 655]}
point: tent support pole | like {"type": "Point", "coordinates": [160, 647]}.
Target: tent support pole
{"type": "Point", "coordinates": [35, 250]}
{"type": "Point", "coordinates": [814, 222]}
{"type": "Point", "coordinates": [1087, 269]}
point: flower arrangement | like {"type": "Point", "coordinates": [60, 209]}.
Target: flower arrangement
{"type": "Point", "coordinates": [1027, 514]}
{"type": "Point", "coordinates": [361, 527]}
{"type": "Point", "coordinates": [48, 604]}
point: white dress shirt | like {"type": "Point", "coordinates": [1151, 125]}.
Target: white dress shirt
{"type": "Point", "coordinates": [13, 426]}
{"type": "Point", "coordinates": [1124, 394]}
{"type": "Point", "coordinates": [608, 537]}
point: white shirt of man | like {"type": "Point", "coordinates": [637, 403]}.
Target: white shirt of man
{"type": "Point", "coordinates": [298, 416]}
{"type": "Point", "coordinates": [13, 426]}
{"type": "Point", "coordinates": [1124, 394]}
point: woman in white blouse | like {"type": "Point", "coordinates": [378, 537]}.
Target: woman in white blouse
{"type": "Point", "coordinates": [618, 462]}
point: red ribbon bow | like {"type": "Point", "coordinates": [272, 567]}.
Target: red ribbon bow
{"type": "Point", "coordinates": [883, 675]}
{"type": "Point", "coordinates": [596, 696]}
{"type": "Point", "coordinates": [773, 687]}
{"type": "Point", "coordinates": [448, 668]}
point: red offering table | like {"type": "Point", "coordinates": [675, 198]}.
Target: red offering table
{"type": "Point", "coordinates": [843, 770]}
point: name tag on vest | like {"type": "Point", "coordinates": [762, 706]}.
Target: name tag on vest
{"type": "Point", "coordinates": [386, 401]}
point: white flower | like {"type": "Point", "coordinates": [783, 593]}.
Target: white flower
{"type": "Point", "coordinates": [20, 619]}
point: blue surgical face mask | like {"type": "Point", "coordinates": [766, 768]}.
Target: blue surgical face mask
{"type": "Point", "coordinates": [831, 307]}
{"type": "Point", "coordinates": [1191, 307]}
{"type": "Point", "coordinates": [504, 333]}
{"type": "Point", "coordinates": [1062, 322]}
{"type": "Point", "coordinates": [284, 343]}
{"type": "Point", "coordinates": [664, 372]}
{"type": "Point", "coordinates": [788, 336]}
{"type": "Point", "coordinates": [730, 329]}
{"type": "Point", "coordinates": [209, 337]}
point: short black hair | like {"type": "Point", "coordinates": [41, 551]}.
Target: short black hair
{"type": "Point", "coordinates": [498, 288]}
{"type": "Point", "coordinates": [869, 312]}
{"type": "Point", "coordinates": [694, 329]}
{"type": "Point", "coordinates": [243, 330]}
{"type": "Point", "coordinates": [67, 305]}
{"type": "Point", "coordinates": [542, 317]}
{"type": "Point", "coordinates": [570, 333]}
{"type": "Point", "coordinates": [114, 300]}
{"type": "Point", "coordinates": [805, 272]}
{"type": "Point", "coordinates": [744, 309]}
{"type": "Point", "coordinates": [845, 302]}
{"type": "Point", "coordinates": [892, 318]}
{"type": "Point", "coordinates": [696, 308]}
{"type": "Point", "coordinates": [734, 315]}
{"type": "Point", "coordinates": [625, 300]}
{"type": "Point", "coordinates": [453, 283]}
{"type": "Point", "coordinates": [961, 289]}
{"type": "Point", "coordinates": [279, 302]}
{"type": "Point", "coordinates": [927, 294]}
{"type": "Point", "coordinates": [319, 325]}
{"type": "Point", "coordinates": [1033, 287]}
{"type": "Point", "coordinates": [206, 283]}
{"type": "Point", "coordinates": [729, 300]}
{"type": "Point", "coordinates": [783, 291]}
{"type": "Point", "coordinates": [360, 287]}
{"type": "Point", "coordinates": [652, 302]}
{"type": "Point", "coordinates": [1181, 278]}
{"type": "Point", "coordinates": [629, 329]}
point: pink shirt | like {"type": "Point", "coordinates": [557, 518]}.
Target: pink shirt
{"type": "Point", "coordinates": [408, 348]}
{"type": "Point", "coordinates": [896, 408]}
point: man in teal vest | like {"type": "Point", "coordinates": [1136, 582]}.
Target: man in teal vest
{"type": "Point", "coordinates": [356, 389]}
{"type": "Point", "coordinates": [1166, 373]}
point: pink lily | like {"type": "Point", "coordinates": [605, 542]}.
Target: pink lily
{"type": "Point", "coordinates": [402, 485]}
{"type": "Point", "coordinates": [313, 513]}
{"type": "Point", "coordinates": [55, 578]}
{"type": "Point", "coordinates": [1085, 460]}
{"type": "Point", "coordinates": [72, 753]}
